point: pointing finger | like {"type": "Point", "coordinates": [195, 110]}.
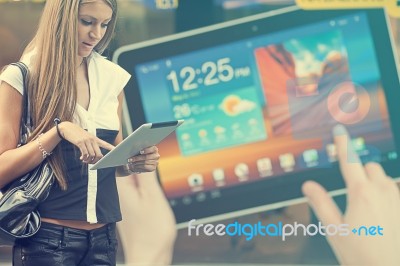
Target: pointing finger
{"type": "Point", "coordinates": [105, 144]}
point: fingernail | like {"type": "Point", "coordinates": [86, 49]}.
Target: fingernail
{"type": "Point", "coordinates": [141, 152]}
{"type": "Point", "coordinates": [339, 130]}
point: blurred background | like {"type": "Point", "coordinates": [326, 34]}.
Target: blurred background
{"type": "Point", "coordinates": [141, 20]}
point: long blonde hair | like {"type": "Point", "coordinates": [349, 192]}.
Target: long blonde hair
{"type": "Point", "coordinates": [52, 84]}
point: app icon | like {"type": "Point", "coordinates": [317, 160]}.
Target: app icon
{"type": "Point", "coordinates": [186, 200]}
{"type": "Point", "coordinates": [392, 155]}
{"type": "Point", "coordinates": [201, 197]}
{"type": "Point", "coordinates": [287, 161]}
{"type": "Point", "coordinates": [264, 167]}
{"type": "Point", "coordinates": [242, 171]}
{"type": "Point", "coordinates": [173, 203]}
{"type": "Point", "coordinates": [344, 103]}
{"type": "Point", "coordinates": [219, 176]}
{"type": "Point", "coordinates": [359, 146]}
{"type": "Point", "coordinates": [310, 157]}
{"type": "Point", "coordinates": [214, 194]}
{"type": "Point", "coordinates": [195, 180]}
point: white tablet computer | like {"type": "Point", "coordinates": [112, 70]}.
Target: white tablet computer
{"type": "Point", "coordinates": [146, 135]}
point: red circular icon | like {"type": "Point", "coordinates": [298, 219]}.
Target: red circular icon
{"type": "Point", "coordinates": [348, 103]}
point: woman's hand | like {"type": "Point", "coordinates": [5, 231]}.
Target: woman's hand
{"type": "Point", "coordinates": [373, 199]}
{"type": "Point", "coordinates": [146, 161]}
{"type": "Point", "coordinates": [88, 144]}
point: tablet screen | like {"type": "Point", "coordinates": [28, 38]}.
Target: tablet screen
{"type": "Point", "coordinates": [259, 110]}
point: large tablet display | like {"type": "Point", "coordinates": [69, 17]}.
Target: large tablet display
{"type": "Point", "coordinates": [260, 96]}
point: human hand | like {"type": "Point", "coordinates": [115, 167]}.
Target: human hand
{"type": "Point", "coordinates": [146, 161]}
{"type": "Point", "coordinates": [372, 200]}
{"type": "Point", "coordinates": [88, 144]}
{"type": "Point", "coordinates": [148, 231]}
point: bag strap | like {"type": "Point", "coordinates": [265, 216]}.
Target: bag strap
{"type": "Point", "coordinates": [26, 120]}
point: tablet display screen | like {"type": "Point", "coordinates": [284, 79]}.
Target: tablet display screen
{"type": "Point", "coordinates": [259, 111]}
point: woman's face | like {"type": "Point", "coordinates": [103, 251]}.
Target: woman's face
{"type": "Point", "coordinates": [93, 20]}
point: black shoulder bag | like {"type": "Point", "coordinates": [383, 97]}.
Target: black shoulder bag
{"type": "Point", "coordinates": [19, 217]}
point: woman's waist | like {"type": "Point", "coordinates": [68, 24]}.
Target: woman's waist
{"type": "Point", "coordinates": [84, 225]}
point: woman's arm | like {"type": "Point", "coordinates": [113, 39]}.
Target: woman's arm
{"type": "Point", "coordinates": [15, 162]}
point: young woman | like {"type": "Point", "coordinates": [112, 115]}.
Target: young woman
{"type": "Point", "coordinates": [71, 81]}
